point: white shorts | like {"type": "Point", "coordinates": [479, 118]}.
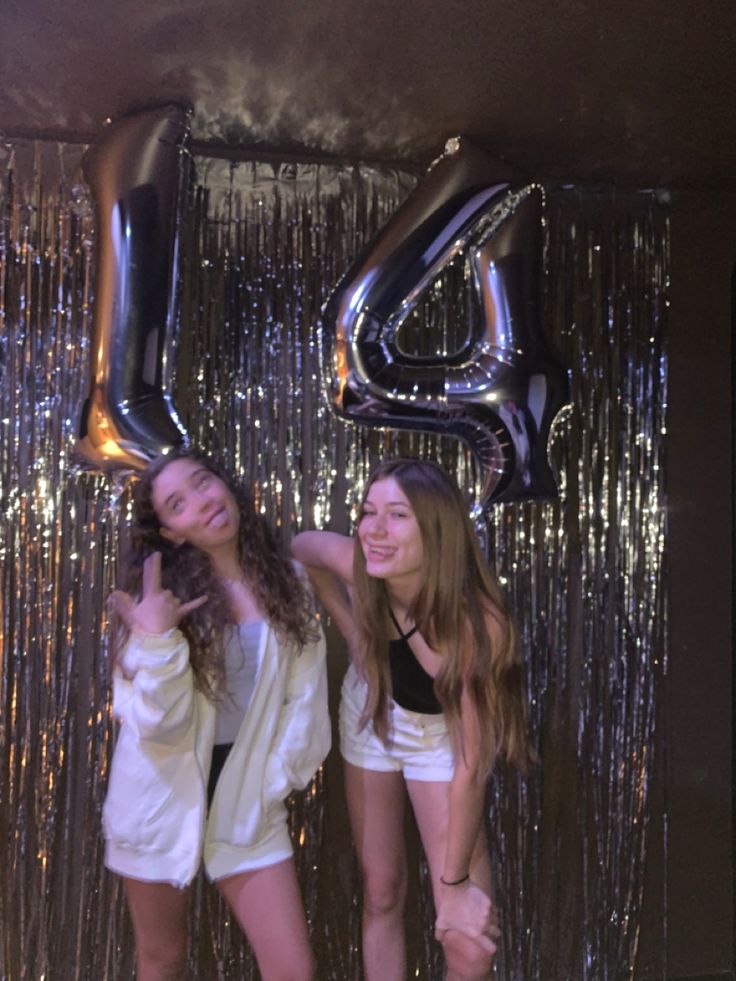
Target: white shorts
{"type": "Point", "coordinates": [419, 745]}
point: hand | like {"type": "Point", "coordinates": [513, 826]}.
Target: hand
{"type": "Point", "coordinates": [158, 610]}
{"type": "Point", "coordinates": [467, 909]}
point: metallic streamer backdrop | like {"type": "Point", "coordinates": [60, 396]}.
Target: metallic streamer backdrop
{"type": "Point", "coordinates": [262, 245]}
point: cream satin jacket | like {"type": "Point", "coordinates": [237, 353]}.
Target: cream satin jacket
{"type": "Point", "coordinates": [154, 817]}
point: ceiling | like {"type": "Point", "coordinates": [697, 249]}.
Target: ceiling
{"type": "Point", "coordinates": [637, 92]}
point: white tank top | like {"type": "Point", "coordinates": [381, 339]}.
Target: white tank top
{"type": "Point", "coordinates": [242, 644]}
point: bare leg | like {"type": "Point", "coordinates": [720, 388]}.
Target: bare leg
{"type": "Point", "coordinates": [466, 960]}
{"type": "Point", "coordinates": [159, 914]}
{"type": "Point", "coordinates": [376, 808]}
{"type": "Point", "coordinates": [268, 906]}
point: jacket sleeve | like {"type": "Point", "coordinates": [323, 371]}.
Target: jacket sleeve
{"type": "Point", "coordinates": [303, 734]}
{"type": "Point", "coordinates": [153, 687]}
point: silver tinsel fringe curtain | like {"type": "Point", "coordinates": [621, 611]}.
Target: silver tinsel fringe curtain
{"type": "Point", "coordinates": [261, 247]}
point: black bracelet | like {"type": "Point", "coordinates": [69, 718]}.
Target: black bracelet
{"type": "Point", "coordinates": [457, 882]}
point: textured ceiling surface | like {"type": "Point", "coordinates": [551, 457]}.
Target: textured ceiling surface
{"type": "Point", "coordinates": [638, 92]}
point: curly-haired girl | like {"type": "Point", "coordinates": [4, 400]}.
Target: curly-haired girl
{"type": "Point", "coordinates": [220, 688]}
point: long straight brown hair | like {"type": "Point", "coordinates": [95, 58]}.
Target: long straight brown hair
{"type": "Point", "coordinates": [458, 591]}
{"type": "Point", "coordinates": [187, 572]}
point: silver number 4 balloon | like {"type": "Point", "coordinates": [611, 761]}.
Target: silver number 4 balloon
{"type": "Point", "coordinates": [500, 392]}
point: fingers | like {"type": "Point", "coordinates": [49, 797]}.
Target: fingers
{"type": "Point", "coordinates": [474, 933]}
{"type": "Point", "coordinates": [455, 937]}
{"type": "Point", "coordinates": [485, 943]}
{"type": "Point", "coordinates": [193, 604]}
{"type": "Point", "coordinates": [152, 574]}
{"type": "Point", "coordinates": [122, 604]}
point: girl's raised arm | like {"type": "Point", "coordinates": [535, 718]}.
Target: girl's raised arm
{"type": "Point", "coordinates": [328, 559]}
{"type": "Point", "coordinates": [327, 551]}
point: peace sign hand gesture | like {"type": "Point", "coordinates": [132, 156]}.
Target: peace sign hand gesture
{"type": "Point", "coordinates": [158, 610]}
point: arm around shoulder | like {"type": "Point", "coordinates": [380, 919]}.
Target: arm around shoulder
{"type": "Point", "coordinates": [326, 551]}
{"type": "Point", "coordinates": [328, 560]}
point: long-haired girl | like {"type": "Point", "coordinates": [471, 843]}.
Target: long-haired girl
{"type": "Point", "coordinates": [433, 696]}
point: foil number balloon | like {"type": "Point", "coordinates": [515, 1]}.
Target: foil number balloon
{"type": "Point", "coordinates": [501, 392]}
{"type": "Point", "coordinates": [134, 173]}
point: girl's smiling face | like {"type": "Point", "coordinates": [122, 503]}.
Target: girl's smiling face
{"type": "Point", "coordinates": [193, 505]}
{"type": "Point", "coordinates": [389, 533]}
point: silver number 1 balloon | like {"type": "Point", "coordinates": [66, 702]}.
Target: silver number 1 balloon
{"type": "Point", "coordinates": [134, 173]}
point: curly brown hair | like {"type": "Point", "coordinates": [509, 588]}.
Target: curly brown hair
{"type": "Point", "coordinates": [187, 571]}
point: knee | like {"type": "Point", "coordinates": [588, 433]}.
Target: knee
{"type": "Point", "coordinates": [304, 970]}
{"type": "Point", "coordinates": [285, 963]}
{"type": "Point", "coordinates": [384, 890]}
{"type": "Point", "coordinates": [466, 960]}
{"type": "Point", "coordinates": [163, 965]}
{"type": "Point", "coordinates": [163, 958]}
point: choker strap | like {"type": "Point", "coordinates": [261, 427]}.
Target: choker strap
{"type": "Point", "coordinates": [404, 636]}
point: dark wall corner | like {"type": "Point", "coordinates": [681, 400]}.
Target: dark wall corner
{"type": "Point", "coordinates": [694, 873]}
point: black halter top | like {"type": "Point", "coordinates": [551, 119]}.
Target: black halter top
{"type": "Point", "coordinates": [412, 687]}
